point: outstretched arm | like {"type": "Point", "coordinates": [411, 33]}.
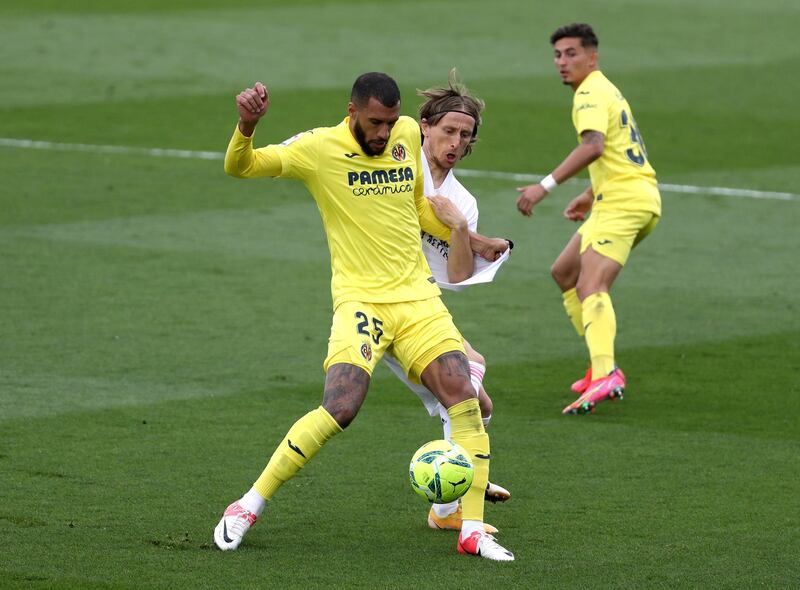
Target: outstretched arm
{"type": "Point", "coordinates": [591, 147]}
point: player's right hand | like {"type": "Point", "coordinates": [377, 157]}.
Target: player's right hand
{"type": "Point", "coordinates": [529, 196]}
{"type": "Point", "coordinates": [252, 103]}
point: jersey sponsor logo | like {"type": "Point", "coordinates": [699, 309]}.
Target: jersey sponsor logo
{"type": "Point", "coordinates": [584, 92]}
{"type": "Point", "coordinates": [365, 177]}
{"type": "Point", "coordinates": [366, 351]}
{"type": "Point", "coordinates": [381, 182]}
{"type": "Point", "coordinates": [399, 152]}
{"type": "Point", "coordinates": [586, 106]}
{"type": "Point", "coordinates": [379, 191]}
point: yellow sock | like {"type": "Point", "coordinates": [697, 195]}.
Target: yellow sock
{"type": "Point", "coordinates": [467, 430]}
{"type": "Point", "coordinates": [574, 310]}
{"type": "Point", "coordinates": [300, 444]}
{"type": "Point", "coordinates": [600, 325]}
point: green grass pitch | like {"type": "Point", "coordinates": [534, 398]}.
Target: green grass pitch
{"type": "Point", "coordinates": [162, 325]}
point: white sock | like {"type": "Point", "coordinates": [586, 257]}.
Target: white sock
{"type": "Point", "coordinates": [445, 421]}
{"type": "Point", "coordinates": [442, 510]}
{"type": "Point", "coordinates": [476, 373]}
{"type": "Point", "coordinates": [470, 526]}
{"type": "Point", "coordinates": [253, 501]}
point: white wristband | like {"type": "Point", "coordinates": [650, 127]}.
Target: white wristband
{"type": "Point", "coordinates": [548, 183]}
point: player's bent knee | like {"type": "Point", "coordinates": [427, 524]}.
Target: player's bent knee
{"type": "Point", "coordinates": [564, 278]}
{"type": "Point", "coordinates": [476, 357]}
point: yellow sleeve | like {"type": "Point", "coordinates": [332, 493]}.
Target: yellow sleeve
{"type": "Point", "coordinates": [242, 161]}
{"type": "Point", "coordinates": [427, 218]}
{"type": "Point", "coordinates": [590, 111]}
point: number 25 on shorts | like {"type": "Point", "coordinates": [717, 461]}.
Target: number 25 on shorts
{"type": "Point", "coordinates": [363, 325]}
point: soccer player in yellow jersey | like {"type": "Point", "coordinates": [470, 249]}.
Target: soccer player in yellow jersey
{"type": "Point", "coordinates": [366, 178]}
{"type": "Point", "coordinates": [623, 199]}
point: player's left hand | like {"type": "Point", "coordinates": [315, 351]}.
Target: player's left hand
{"type": "Point", "coordinates": [530, 196]}
{"type": "Point", "coordinates": [578, 207]}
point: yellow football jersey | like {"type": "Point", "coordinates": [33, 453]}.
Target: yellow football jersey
{"type": "Point", "coordinates": [372, 207]}
{"type": "Point", "coordinates": [622, 177]}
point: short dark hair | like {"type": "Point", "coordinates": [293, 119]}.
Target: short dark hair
{"type": "Point", "coordinates": [580, 30]}
{"type": "Point", "coordinates": [375, 85]}
{"type": "Point", "coordinates": [453, 98]}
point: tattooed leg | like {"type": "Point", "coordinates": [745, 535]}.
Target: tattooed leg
{"type": "Point", "coordinates": [345, 390]}
{"type": "Point", "coordinates": [449, 379]}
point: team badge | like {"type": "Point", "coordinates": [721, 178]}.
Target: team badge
{"type": "Point", "coordinates": [399, 152]}
{"type": "Point", "coordinates": [366, 351]}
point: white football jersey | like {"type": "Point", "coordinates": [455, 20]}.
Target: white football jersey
{"type": "Point", "coordinates": [436, 250]}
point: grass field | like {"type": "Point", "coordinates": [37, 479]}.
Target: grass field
{"type": "Point", "coordinates": [163, 325]}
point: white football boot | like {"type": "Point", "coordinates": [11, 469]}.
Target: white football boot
{"type": "Point", "coordinates": [482, 544]}
{"type": "Point", "coordinates": [236, 521]}
{"type": "Point", "coordinates": [496, 493]}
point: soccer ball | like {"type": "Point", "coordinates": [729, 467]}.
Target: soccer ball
{"type": "Point", "coordinates": [441, 471]}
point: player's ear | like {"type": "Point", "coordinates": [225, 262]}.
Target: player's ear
{"type": "Point", "coordinates": [352, 109]}
{"type": "Point", "coordinates": [424, 127]}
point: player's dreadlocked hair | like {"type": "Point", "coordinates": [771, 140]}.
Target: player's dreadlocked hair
{"type": "Point", "coordinates": [582, 31]}
{"type": "Point", "coordinates": [453, 98]}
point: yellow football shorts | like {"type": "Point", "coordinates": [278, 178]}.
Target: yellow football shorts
{"type": "Point", "coordinates": [416, 332]}
{"type": "Point", "coordinates": [614, 233]}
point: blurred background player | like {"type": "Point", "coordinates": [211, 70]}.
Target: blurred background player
{"type": "Point", "coordinates": [365, 177]}
{"type": "Point", "coordinates": [449, 120]}
{"type": "Point", "coordinates": [623, 199]}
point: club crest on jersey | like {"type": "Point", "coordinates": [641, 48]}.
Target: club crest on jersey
{"type": "Point", "coordinates": [366, 351]}
{"type": "Point", "coordinates": [399, 152]}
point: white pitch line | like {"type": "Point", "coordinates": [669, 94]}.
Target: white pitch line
{"type": "Point", "coordinates": [109, 149]}
{"type": "Point", "coordinates": [662, 186]}
{"type": "Point", "coordinates": [510, 176]}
